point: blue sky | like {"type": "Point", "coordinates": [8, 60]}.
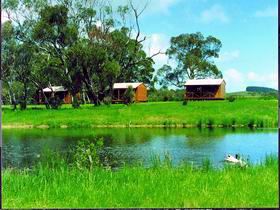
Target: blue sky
{"type": "Point", "coordinates": [247, 29]}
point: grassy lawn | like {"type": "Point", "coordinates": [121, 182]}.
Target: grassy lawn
{"type": "Point", "coordinates": [242, 112]}
{"type": "Point", "coordinates": [161, 186]}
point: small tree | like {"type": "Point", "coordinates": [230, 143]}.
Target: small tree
{"type": "Point", "coordinates": [128, 96]}
{"type": "Point", "coordinates": [194, 55]}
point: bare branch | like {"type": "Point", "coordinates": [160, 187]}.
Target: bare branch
{"type": "Point", "coordinates": [155, 54]}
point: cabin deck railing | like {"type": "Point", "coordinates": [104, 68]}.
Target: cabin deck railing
{"type": "Point", "coordinates": [196, 95]}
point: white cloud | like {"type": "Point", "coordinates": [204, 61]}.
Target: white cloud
{"type": "Point", "coordinates": [238, 81]}
{"type": "Point", "coordinates": [267, 12]}
{"type": "Point", "coordinates": [215, 13]}
{"type": "Point", "coordinates": [252, 75]}
{"type": "Point", "coordinates": [157, 42]}
{"type": "Point", "coordinates": [235, 80]}
{"type": "Point", "coordinates": [265, 79]}
{"type": "Point", "coordinates": [229, 56]}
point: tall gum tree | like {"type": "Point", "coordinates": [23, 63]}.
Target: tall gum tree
{"type": "Point", "coordinates": [194, 55]}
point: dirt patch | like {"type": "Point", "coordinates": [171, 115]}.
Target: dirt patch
{"type": "Point", "coordinates": [17, 126]}
{"type": "Point", "coordinates": [43, 126]}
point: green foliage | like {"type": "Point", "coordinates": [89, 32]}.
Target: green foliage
{"type": "Point", "coordinates": [165, 94]}
{"type": "Point", "coordinates": [254, 95]}
{"type": "Point", "coordinates": [185, 102]}
{"type": "Point", "coordinates": [194, 55]}
{"type": "Point", "coordinates": [129, 95]}
{"type": "Point", "coordinates": [231, 98]}
{"type": "Point", "coordinates": [86, 155]}
{"type": "Point", "coordinates": [134, 63]}
{"type": "Point", "coordinates": [69, 49]}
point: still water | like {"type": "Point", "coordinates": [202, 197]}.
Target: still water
{"type": "Point", "coordinates": [22, 147]}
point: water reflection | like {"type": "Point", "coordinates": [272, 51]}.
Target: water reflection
{"type": "Point", "coordinates": [21, 147]}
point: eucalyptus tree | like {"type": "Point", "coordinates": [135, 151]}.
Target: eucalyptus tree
{"type": "Point", "coordinates": [8, 46]}
{"type": "Point", "coordinates": [80, 43]}
{"type": "Point", "coordinates": [194, 55]}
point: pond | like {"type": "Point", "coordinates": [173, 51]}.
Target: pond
{"type": "Point", "coordinates": [21, 147]}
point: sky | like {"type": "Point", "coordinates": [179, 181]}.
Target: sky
{"type": "Point", "coordinates": [247, 30]}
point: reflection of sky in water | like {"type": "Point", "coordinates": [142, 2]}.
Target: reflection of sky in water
{"type": "Point", "coordinates": [182, 148]}
{"type": "Point", "coordinates": [20, 148]}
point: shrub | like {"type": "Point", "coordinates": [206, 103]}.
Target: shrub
{"type": "Point", "coordinates": [55, 102]}
{"type": "Point", "coordinates": [251, 123]}
{"type": "Point", "coordinates": [107, 100]}
{"type": "Point", "coordinates": [86, 155]}
{"type": "Point", "coordinates": [231, 98]}
{"type": "Point", "coordinates": [233, 121]}
{"type": "Point", "coordinates": [185, 102]}
{"type": "Point", "coordinates": [199, 124]}
{"type": "Point", "coordinates": [128, 96]}
{"type": "Point", "coordinates": [210, 123]}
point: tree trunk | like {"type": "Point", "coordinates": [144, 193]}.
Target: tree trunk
{"type": "Point", "coordinates": [91, 94]}
{"type": "Point", "coordinates": [12, 96]}
{"type": "Point", "coordinates": [23, 103]}
{"type": "Point", "coordinates": [46, 101]}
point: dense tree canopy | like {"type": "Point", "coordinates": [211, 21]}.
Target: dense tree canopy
{"type": "Point", "coordinates": [82, 45]}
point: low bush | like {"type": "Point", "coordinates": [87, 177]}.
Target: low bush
{"type": "Point", "coordinates": [86, 155]}
{"type": "Point", "coordinates": [231, 98]}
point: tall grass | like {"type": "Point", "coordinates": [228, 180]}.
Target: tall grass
{"type": "Point", "coordinates": [240, 113]}
{"type": "Point", "coordinates": [57, 185]}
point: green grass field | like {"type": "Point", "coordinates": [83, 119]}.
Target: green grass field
{"type": "Point", "coordinates": [253, 95]}
{"type": "Point", "coordinates": [242, 112]}
{"type": "Point", "coordinates": [161, 186]}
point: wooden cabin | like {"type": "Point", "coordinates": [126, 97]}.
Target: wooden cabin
{"type": "Point", "coordinates": [205, 89]}
{"type": "Point", "coordinates": [59, 91]}
{"type": "Point", "coordinates": [139, 88]}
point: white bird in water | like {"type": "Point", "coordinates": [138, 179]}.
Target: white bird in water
{"type": "Point", "coordinates": [235, 160]}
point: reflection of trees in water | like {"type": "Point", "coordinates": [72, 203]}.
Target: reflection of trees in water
{"type": "Point", "coordinates": [204, 137]}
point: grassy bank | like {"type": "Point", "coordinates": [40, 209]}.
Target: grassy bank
{"type": "Point", "coordinates": [260, 113]}
{"type": "Point", "coordinates": [161, 186]}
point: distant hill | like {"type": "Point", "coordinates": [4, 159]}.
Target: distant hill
{"type": "Point", "coordinates": [257, 89]}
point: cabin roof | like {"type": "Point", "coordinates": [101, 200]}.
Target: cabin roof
{"type": "Point", "coordinates": [126, 85]}
{"type": "Point", "coordinates": [204, 82]}
{"type": "Point", "coordinates": [55, 89]}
